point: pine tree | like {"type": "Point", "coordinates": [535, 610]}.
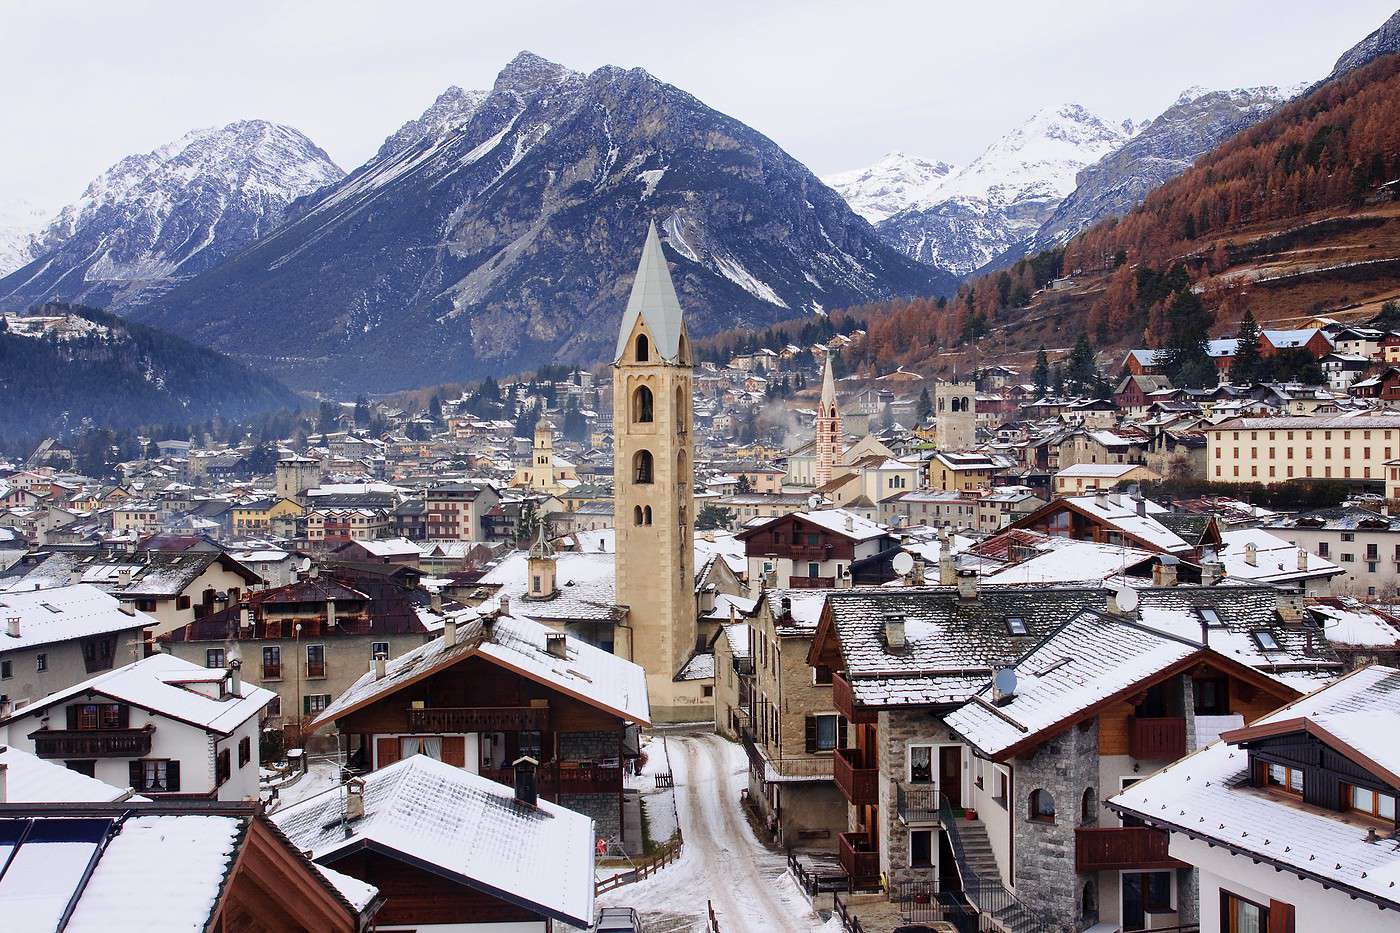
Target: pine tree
{"type": "Point", "coordinates": [925, 405]}
{"type": "Point", "coordinates": [1247, 366]}
{"type": "Point", "coordinates": [1080, 372]}
{"type": "Point", "coordinates": [1041, 373]}
{"type": "Point", "coordinates": [1187, 363]}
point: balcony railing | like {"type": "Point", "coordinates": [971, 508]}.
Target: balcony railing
{"type": "Point", "coordinates": [568, 777]}
{"type": "Point", "coordinates": [844, 699]}
{"type": "Point", "coordinates": [859, 859]}
{"type": "Point", "coordinates": [805, 551]}
{"type": "Point", "coordinates": [1160, 738]}
{"type": "Point", "coordinates": [811, 583]}
{"type": "Point", "coordinates": [479, 719]}
{"type": "Point", "coordinates": [855, 775]}
{"type": "Point", "coordinates": [92, 743]}
{"type": "Point", "coordinates": [1121, 848]}
{"type": "Point", "coordinates": [917, 804]}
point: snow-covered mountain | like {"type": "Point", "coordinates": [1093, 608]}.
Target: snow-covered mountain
{"type": "Point", "coordinates": [510, 240]}
{"type": "Point", "coordinates": [1198, 121]}
{"type": "Point", "coordinates": [451, 111]}
{"type": "Point", "coordinates": [160, 217]}
{"type": "Point", "coordinates": [896, 182]}
{"type": "Point", "coordinates": [19, 222]}
{"type": "Point", "coordinates": [1383, 41]}
{"type": "Point", "coordinates": [1003, 196]}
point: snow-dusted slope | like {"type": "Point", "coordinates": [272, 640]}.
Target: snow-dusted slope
{"type": "Point", "coordinates": [19, 222]}
{"type": "Point", "coordinates": [1197, 122]}
{"type": "Point", "coordinates": [162, 216]}
{"type": "Point", "coordinates": [452, 110]}
{"type": "Point", "coordinates": [896, 182]}
{"type": "Point", "coordinates": [494, 245]}
{"type": "Point", "coordinates": [1004, 195]}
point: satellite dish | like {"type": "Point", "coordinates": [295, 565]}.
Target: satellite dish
{"type": "Point", "coordinates": [1005, 682]}
{"type": "Point", "coordinates": [903, 563]}
{"type": "Point", "coordinates": [1126, 598]}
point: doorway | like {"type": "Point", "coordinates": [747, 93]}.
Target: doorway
{"type": "Point", "coordinates": [950, 774]}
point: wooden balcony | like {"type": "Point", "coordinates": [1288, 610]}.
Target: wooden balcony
{"type": "Point", "coordinates": [479, 719]}
{"type": "Point", "coordinates": [1121, 848]}
{"type": "Point", "coordinates": [845, 701]}
{"type": "Point", "coordinates": [859, 859]}
{"type": "Point", "coordinates": [858, 779]}
{"type": "Point", "coordinates": [567, 777]}
{"type": "Point", "coordinates": [92, 743]}
{"type": "Point", "coordinates": [811, 583]}
{"type": "Point", "coordinates": [805, 552]}
{"type": "Point", "coordinates": [1161, 738]}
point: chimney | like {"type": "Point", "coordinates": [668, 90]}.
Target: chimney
{"type": "Point", "coordinates": [1205, 632]}
{"type": "Point", "coordinates": [1141, 505]}
{"type": "Point", "coordinates": [245, 617]}
{"type": "Point", "coordinates": [556, 644]}
{"type": "Point", "coordinates": [380, 663]}
{"type": "Point", "coordinates": [235, 677]}
{"type": "Point", "coordinates": [786, 604]}
{"type": "Point", "coordinates": [525, 780]}
{"type": "Point", "coordinates": [1251, 554]}
{"type": "Point", "coordinates": [1100, 499]}
{"type": "Point", "coordinates": [850, 523]}
{"type": "Point", "coordinates": [967, 585]}
{"type": "Point", "coordinates": [313, 571]}
{"type": "Point", "coordinates": [947, 569]}
{"type": "Point", "coordinates": [4, 785]}
{"type": "Point", "coordinates": [435, 602]}
{"type": "Point", "coordinates": [124, 575]}
{"type": "Point", "coordinates": [330, 613]}
{"type": "Point", "coordinates": [1211, 571]}
{"type": "Point", "coordinates": [1302, 559]}
{"type": "Point", "coordinates": [1164, 571]}
{"type": "Point", "coordinates": [505, 605]}
{"type": "Point", "coordinates": [894, 632]}
{"type": "Point", "coordinates": [449, 632]}
{"type": "Point", "coordinates": [75, 576]}
{"type": "Point", "coordinates": [1115, 498]}
{"type": "Point", "coordinates": [12, 626]}
{"type": "Point", "coordinates": [1290, 607]}
{"type": "Point", "coordinates": [354, 800]}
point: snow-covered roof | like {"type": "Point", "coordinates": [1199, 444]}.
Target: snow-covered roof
{"type": "Point", "coordinates": [357, 893]}
{"type": "Point", "coordinates": [843, 522]}
{"type": "Point", "coordinates": [1122, 513]}
{"type": "Point", "coordinates": [1209, 794]}
{"type": "Point", "coordinates": [1348, 622]}
{"type": "Point", "coordinates": [1099, 470]}
{"type": "Point", "coordinates": [63, 613]}
{"type": "Point", "coordinates": [700, 667]}
{"type": "Point", "coordinates": [1092, 658]}
{"type": "Point", "coordinates": [1068, 560]}
{"type": "Point", "coordinates": [590, 674]}
{"type": "Point", "coordinates": [31, 779]}
{"type": "Point", "coordinates": [166, 685]}
{"type": "Point", "coordinates": [465, 826]}
{"type": "Point", "coordinates": [585, 581]}
{"type": "Point", "coordinates": [390, 547]}
{"type": "Point", "coordinates": [1275, 560]}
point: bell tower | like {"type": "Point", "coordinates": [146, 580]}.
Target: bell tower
{"type": "Point", "coordinates": [829, 439]}
{"type": "Point", "coordinates": [653, 482]}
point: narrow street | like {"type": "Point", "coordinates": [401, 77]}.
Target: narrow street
{"type": "Point", "coordinates": [721, 861]}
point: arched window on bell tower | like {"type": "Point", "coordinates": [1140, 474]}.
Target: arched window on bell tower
{"type": "Point", "coordinates": [637, 515]}
{"type": "Point", "coordinates": [642, 404]}
{"type": "Point", "coordinates": [642, 467]}
{"type": "Point", "coordinates": [643, 348]}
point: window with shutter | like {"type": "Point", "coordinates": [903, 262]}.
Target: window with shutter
{"type": "Point", "coordinates": [811, 734]}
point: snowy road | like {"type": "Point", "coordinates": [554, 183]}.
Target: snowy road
{"type": "Point", "coordinates": [721, 861]}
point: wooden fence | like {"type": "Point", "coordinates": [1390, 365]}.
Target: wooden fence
{"type": "Point", "coordinates": [668, 854]}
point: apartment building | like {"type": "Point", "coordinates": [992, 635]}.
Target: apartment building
{"type": "Point", "coordinates": [1363, 542]}
{"type": "Point", "coordinates": [1269, 450]}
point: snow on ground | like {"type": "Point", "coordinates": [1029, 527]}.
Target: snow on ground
{"type": "Point", "coordinates": [722, 861]}
{"type": "Point", "coordinates": [660, 803]}
{"type": "Point", "coordinates": [321, 774]}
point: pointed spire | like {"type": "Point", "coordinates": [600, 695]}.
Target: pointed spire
{"type": "Point", "coordinates": [828, 384]}
{"type": "Point", "coordinates": [542, 548]}
{"type": "Point", "coordinates": [653, 299]}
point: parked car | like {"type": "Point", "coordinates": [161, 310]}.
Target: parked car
{"type": "Point", "coordinates": [618, 920]}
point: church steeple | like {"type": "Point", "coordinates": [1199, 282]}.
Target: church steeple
{"type": "Point", "coordinates": [653, 492]}
{"type": "Point", "coordinates": [829, 440]}
{"type": "Point", "coordinates": [653, 301]}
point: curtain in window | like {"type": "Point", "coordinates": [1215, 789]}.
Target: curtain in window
{"type": "Point", "coordinates": [429, 745]}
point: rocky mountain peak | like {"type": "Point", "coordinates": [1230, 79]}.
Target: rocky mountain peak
{"type": "Point", "coordinates": [452, 109]}
{"type": "Point", "coordinates": [895, 182]}
{"type": "Point", "coordinates": [1383, 41]}
{"type": "Point", "coordinates": [527, 74]}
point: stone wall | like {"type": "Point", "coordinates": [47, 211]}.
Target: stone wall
{"type": "Point", "coordinates": [605, 809]}
{"type": "Point", "coordinates": [585, 746]}
{"type": "Point", "coordinates": [1064, 767]}
{"type": "Point", "coordinates": [897, 730]}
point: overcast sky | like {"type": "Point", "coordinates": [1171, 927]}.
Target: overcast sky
{"type": "Point", "coordinates": [837, 84]}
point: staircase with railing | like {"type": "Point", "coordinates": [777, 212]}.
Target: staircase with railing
{"type": "Point", "coordinates": [981, 881]}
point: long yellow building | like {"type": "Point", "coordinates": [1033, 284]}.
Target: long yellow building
{"type": "Point", "coordinates": [1274, 450]}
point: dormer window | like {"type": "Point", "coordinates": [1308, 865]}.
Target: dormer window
{"type": "Point", "coordinates": [1369, 802]}
{"type": "Point", "coordinates": [1016, 626]}
{"type": "Point", "coordinates": [1265, 640]}
{"type": "Point", "coordinates": [1289, 780]}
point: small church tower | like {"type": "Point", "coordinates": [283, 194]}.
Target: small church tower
{"type": "Point", "coordinates": [542, 464]}
{"type": "Point", "coordinates": [653, 482]}
{"type": "Point", "coordinates": [829, 437]}
{"type": "Point", "coordinates": [955, 414]}
{"type": "Point", "coordinates": [542, 568]}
